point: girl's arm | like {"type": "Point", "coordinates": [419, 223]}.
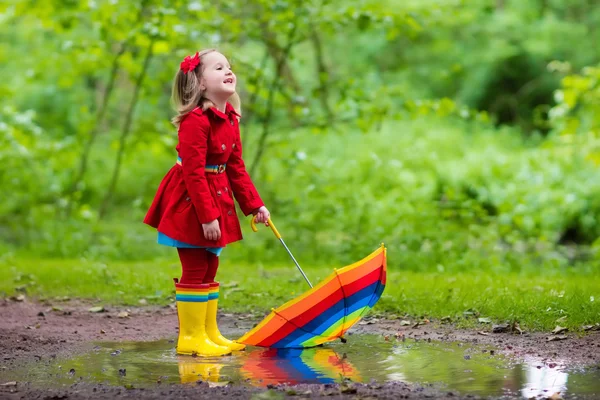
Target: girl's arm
{"type": "Point", "coordinates": [193, 138]}
{"type": "Point", "coordinates": [243, 189]}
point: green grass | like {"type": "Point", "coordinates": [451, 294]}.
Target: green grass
{"type": "Point", "coordinates": [537, 301]}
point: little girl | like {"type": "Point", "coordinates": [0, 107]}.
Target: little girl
{"type": "Point", "coordinates": [193, 209]}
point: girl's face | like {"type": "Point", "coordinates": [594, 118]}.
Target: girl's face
{"type": "Point", "coordinates": [218, 80]}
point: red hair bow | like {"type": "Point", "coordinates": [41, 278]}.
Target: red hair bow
{"type": "Point", "coordinates": [189, 63]}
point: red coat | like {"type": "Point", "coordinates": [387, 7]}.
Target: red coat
{"type": "Point", "coordinates": [189, 197]}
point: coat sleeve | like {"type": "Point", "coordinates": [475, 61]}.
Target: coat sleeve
{"type": "Point", "coordinates": [243, 189]}
{"type": "Point", "coordinates": [193, 144]}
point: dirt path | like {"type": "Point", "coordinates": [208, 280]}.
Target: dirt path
{"type": "Point", "coordinates": [32, 332]}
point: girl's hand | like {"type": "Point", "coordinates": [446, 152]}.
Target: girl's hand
{"type": "Point", "coordinates": [262, 215]}
{"type": "Point", "coordinates": [212, 230]}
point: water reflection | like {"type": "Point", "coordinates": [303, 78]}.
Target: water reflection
{"type": "Point", "coordinates": [468, 369]}
{"type": "Point", "coordinates": [544, 380]}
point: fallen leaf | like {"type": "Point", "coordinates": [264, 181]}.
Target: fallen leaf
{"type": "Point", "coordinates": [516, 327]}
{"type": "Point", "coordinates": [499, 328]}
{"type": "Point", "coordinates": [557, 337]}
{"type": "Point", "coordinates": [559, 329]}
{"type": "Point", "coordinates": [485, 320]}
{"type": "Point", "coordinates": [446, 319]}
{"type": "Point", "coordinates": [405, 322]}
{"type": "Point", "coordinates": [123, 314]}
{"type": "Point", "coordinates": [561, 319]}
{"type": "Point", "coordinates": [97, 309]}
{"type": "Point", "coordinates": [102, 331]}
{"type": "Point", "coordinates": [483, 333]}
{"type": "Point", "coordinates": [13, 383]}
{"type": "Point", "coordinates": [595, 327]}
{"type": "Point", "coordinates": [218, 384]}
{"type": "Point", "coordinates": [56, 308]}
{"type": "Point", "coordinates": [143, 301]}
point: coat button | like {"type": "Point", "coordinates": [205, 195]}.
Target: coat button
{"type": "Point", "coordinates": [187, 198]}
{"type": "Point", "coordinates": [227, 190]}
{"type": "Point", "coordinates": [232, 122]}
{"type": "Point", "coordinates": [229, 212]}
{"type": "Point", "coordinates": [233, 146]}
{"type": "Point", "coordinates": [218, 192]}
{"type": "Point", "coordinates": [223, 146]}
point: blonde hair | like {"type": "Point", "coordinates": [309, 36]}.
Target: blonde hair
{"type": "Point", "coordinates": [187, 95]}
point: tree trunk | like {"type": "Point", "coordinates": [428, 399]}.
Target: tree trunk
{"type": "Point", "coordinates": [275, 83]}
{"type": "Point", "coordinates": [125, 132]}
{"type": "Point", "coordinates": [322, 73]}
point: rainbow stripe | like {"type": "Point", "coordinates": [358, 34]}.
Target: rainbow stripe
{"type": "Point", "coordinates": [213, 291]}
{"type": "Point", "coordinates": [326, 311]}
{"type": "Point", "coordinates": [197, 294]}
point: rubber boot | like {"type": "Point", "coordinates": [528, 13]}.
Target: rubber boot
{"type": "Point", "coordinates": [211, 320]}
{"type": "Point", "coordinates": [192, 301]}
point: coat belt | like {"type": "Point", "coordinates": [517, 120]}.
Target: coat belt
{"type": "Point", "coordinates": [210, 169]}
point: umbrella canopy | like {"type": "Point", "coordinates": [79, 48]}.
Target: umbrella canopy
{"type": "Point", "coordinates": [326, 311]}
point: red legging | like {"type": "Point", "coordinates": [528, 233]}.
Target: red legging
{"type": "Point", "coordinates": [197, 265]}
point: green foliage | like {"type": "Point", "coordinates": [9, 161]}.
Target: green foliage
{"type": "Point", "coordinates": [364, 122]}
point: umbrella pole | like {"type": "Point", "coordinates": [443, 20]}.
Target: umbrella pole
{"type": "Point", "coordinates": [295, 262]}
{"type": "Point", "coordinates": [278, 235]}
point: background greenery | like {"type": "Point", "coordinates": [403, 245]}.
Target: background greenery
{"type": "Point", "coordinates": [463, 134]}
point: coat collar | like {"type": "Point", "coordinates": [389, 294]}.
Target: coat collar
{"type": "Point", "coordinates": [228, 111]}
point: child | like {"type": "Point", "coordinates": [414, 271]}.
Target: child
{"type": "Point", "coordinates": [193, 209]}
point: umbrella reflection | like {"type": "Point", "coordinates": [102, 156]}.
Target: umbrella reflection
{"type": "Point", "coordinates": [294, 366]}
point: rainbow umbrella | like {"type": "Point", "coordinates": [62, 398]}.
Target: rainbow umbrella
{"type": "Point", "coordinates": [326, 311]}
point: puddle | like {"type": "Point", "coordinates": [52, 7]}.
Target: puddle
{"type": "Point", "coordinates": [465, 368]}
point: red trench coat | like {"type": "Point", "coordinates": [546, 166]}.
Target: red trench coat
{"type": "Point", "coordinates": [189, 197]}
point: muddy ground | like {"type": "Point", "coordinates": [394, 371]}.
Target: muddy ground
{"type": "Point", "coordinates": [32, 332]}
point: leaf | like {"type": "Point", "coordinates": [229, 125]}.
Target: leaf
{"type": "Point", "coordinates": [559, 329]}
{"type": "Point", "coordinates": [500, 328]}
{"type": "Point", "coordinates": [405, 322]}
{"type": "Point", "coordinates": [97, 309]}
{"type": "Point", "coordinates": [557, 337]}
{"type": "Point", "coordinates": [123, 314]}
{"type": "Point", "coordinates": [483, 333]}
{"type": "Point", "coordinates": [12, 383]}
{"type": "Point", "coordinates": [485, 320]}
{"type": "Point", "coordinates": [218, 384]}
{"type": "Point", "coordinates": [516, 327]}
{"type": "Point", "coordinates": [595, 327]}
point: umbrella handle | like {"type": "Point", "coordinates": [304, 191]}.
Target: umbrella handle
{"type": "Point", "coordinates": [271, 225]}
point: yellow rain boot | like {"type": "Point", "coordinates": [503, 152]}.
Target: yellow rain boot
{"type": "Point", "coordinates": [211, 320]}
{"type": "Point", "coordinates": [193, 339]}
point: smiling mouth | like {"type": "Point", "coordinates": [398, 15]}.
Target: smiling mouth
{"type": "Point", "coordinates": [229, 80]}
